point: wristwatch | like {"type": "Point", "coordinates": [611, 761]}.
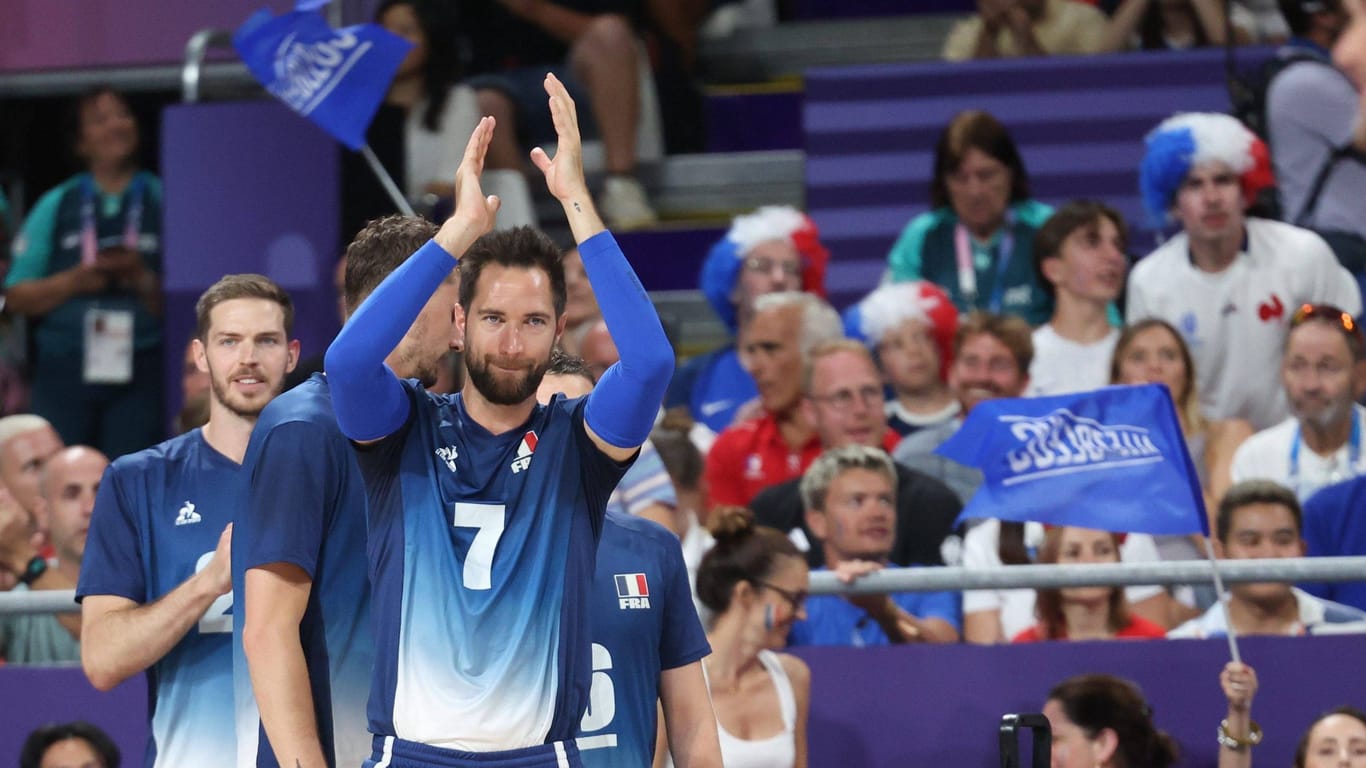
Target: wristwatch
{"type": "Point", "coordinates": [36, 567]}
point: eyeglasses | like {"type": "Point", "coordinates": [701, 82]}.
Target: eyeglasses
{"type": "Point", "coordinates": [844, 398]}
{"type": "Point", "coordinates": [1333, 316]}
{"type": "Point", "coordinates": [765, 266]}
{"type": "Point", "coordinates": [794, 599]}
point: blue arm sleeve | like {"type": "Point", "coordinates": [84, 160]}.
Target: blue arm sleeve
{"type": "Point", "coordinates": [621, 408]}
{"type": "Point", "coordinates": [368, 398]}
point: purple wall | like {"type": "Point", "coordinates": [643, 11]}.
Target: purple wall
{"type": "Point", "coordinates": [911, 706]}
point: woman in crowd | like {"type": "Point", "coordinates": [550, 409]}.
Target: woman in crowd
{"type": "Point", "coordinates": [1100, 721]}
{"type": "Point", "coordinates": [1173, 25]}
{"type": "Point", "coordinates": [1337, 739]}
{"type": "Point", "coordinates": [86, 274]}
{"type": "Point", "coordinates": [69, 744]}
{"type": "Point", "coordinates": [755, 582]}
{"type": "Point", "coordinates": [977, 241]}
{"type": "Point", "coordinates": [1084, 613]}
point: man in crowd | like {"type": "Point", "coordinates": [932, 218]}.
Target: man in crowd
{"type": "Point", "coordinates": [1323, 371]}
{"type": "Point", "coordinates": [1005, 28]}
{"type": "Point", "coordinates": [850, 500]}
{"type": "Point", "coordinates": [1260, 519]}
{"type": "Point", "coordinates": [27, 441]}
{"type": "Point", "coordinates": [843, 401]}
{"type": "Point", "coordinates": [1227, 281]}
{"type": "Point", "coordinates": [156, 585]}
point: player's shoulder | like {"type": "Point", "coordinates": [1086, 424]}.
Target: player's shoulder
{"type": "Point", "coordinates": [645, 531]}
{"type": "Point", "coordinates": [309, 403]}
{"type": "Point", "coordinates": [1158, 261]}
{"type": "Point", "coordinates": [178, 449]}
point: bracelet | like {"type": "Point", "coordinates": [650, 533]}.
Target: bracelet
{"type": "Point", "coordinates": [35, 568]}
{"type": "Point", "coordinates": [1252, 739]}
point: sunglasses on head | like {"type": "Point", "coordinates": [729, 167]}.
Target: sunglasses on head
{"type": "Point", "coordinates": [1332, 315]}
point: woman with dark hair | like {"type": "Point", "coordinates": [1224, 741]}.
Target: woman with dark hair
{"type": "Point", "coordinates": [977, 241]}
{"type": "Point", "coordinates": [1084, 613]}
{"type": "Point", "coordinates": [1101, 721]}
{"type": "Point", "coordinates": [755, 581]}
{"type": "Point", "coordinates": [86, 273]}
{"type": "Point", "coordinates": [1336, 739]}
{"type": "Point", "coordinates": [1172, 25]}
{"type": "Point", "coordinates": [69, 745]}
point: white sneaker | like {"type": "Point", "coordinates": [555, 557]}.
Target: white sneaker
{"type": "Point", "coordinates": [623, 204]}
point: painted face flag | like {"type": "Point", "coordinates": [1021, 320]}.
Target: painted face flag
{"type": "Point", "coordinates": [334, 77]}
{"type": "Point", "coordinates": [1113, 459]}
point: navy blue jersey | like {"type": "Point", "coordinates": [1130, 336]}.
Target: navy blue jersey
{"type": "Point", "coordinates": [644, 622]}
{"type": "Point", "coordinates": [481, 556]}
{"type": "Point", "coordinates": [158, 516]}
{"type": "Point", "coordinates": [305, 505]}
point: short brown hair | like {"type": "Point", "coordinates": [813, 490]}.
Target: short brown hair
{"type": "Point", "coordinates": [975, 129]}
{"type": "Point", "coordinates": [1078, 214]}
{"type": "Point", "coordinates": [379, 249]}
{"type": "Point", "coordinates": [1010, 330]}
{"type": "Point", "coordinates": [521, 248]}
{"type": "Point", "coordinates": [245, 286]}
{"type": "Point", "coordinates": [1250, 492]}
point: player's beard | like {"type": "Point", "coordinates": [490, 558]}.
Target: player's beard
{"type": "Point", "coordinates": [246, 410]}
{"type": "Point", "coordinates": [501, 391]}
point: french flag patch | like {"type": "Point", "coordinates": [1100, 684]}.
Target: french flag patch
{"type": "Point", "coordinates": [524, 451]}
{"type": "Point", "coordinates": [633, 591]}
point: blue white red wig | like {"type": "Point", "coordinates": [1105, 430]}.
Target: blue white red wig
{"type": "Point", "coordinates": [721, 269]}
{"type": "Point", "coordinates": [890, 305]}
{"type": "Point", "coordinates": [1185, 141]}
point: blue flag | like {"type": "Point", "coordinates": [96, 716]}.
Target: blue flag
{"type": "Point", "coordinates": [334, 77]}
{"type": "Point", "coordinates": [1113, 459]}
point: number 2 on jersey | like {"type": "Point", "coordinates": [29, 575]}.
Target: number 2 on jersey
{"type": "Point", "coordinates": [487, 520]}
{"type": "Point", "coordinates": [218, 618]}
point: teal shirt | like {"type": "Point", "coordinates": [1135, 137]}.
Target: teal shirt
{"type": "Point", "coordinates": [50, 243]}
{"type": "Point", "coordinates": [36, 638]}
{"type": "Point", "coordinates": [926, 251]}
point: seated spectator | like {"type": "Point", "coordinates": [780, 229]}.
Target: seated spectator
{"type": "Point", "coordinates": [772, 250]}
{"type": "Point", "coordinates": [1080, 255]}
{"type": "Point", "coordinates": [69, 745]}
{"type": "Point", "coordinates": [1173, 25]}
{"type": "Point", "coordinates": [592, 49]}
{"type": "Point", "coordinates": [1335, 739]}
{"type": "Point", "coordinates": [1335, 527]}
{"type": "Point", "coordinates": [842, 393]}
{"type": "Point", "coordinates": [68, 487]}
{"type": "Point", "coordinates": [977, 242]}
{"type": "Point", "coordinates": [1102, 720]}
{"type": "Point", "coordinates": [86, 274]}
{"type": "Point", "coordinates": [597, 348]}
{"type": "Point", "coordinates": [27, 442]}
{"type": "Point", "coordinates": [755, 583]}
{"type": "Point", "coordinates": [1260, 519]}
{"type": "Point", "coordinates": [1026, 28]}
{"type": "Point", "coordinates": [779, 444]}
{"type": "Point", "coordinates": [910, 328]}
{"type": "Point", "coordinates": [1323, 371]}
{"type": "Point", "coordinates": [580, 306]}
{"type": "Point", "coordinates": [1228, 281]}
{"type": "Point", "coordinates": [1084, 613]}
{"type": "Point", "coordinates": [849, 494]}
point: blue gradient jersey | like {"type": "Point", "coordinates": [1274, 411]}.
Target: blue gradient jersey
{"type": "Point", "coordinates": [157, 519]}
{"type": "Point", "coordinates": [481, 555]}
{"type": "Point", "coordinates": [306, 506]}
{"type": "Point", "coordinates": [644, 622]}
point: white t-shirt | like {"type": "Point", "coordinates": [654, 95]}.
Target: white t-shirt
{"type": "Point", "coordinates": [1266, 455]}
{"type": "Point", "coordinates": [1235, 321]}
{"type": "Point", "coordinates": [1061, 365]}
{"type": "Point", "coordinates": [1017, 605]}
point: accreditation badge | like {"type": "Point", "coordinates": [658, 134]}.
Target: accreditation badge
{"type": "Point", "coordinates": [108, 346]}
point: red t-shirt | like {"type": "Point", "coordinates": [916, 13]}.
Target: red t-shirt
{"type": "Point", "coordinates": [1137, 628]}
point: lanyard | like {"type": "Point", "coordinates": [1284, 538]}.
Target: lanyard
{"type": "Point", "coordinates": [1353, 451]}
{"type": "Point", "coordinates": [967, 269]}
{"type": "Point", "coordinates": [132, 221]}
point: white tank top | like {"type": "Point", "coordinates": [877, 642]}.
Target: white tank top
{"type": "Point", "coordinates": [777, 751]}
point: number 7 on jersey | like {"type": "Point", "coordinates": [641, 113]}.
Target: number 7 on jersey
{"type": "Point", "coordinates": [487, 520]}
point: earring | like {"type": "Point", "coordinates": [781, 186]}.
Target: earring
{"type": "Point", "coordinates": [768, 617]}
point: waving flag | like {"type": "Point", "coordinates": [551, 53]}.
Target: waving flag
{"type": "Point", "coordinates": [334, 77]}
{"type": "Point", "coordinates": [1112, 459]}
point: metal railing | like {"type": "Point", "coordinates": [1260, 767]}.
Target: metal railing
{"type": "Point", "coordinates": [1167, 572]}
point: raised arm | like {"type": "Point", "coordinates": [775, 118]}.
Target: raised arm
{"type": "Point", "coordinates": [1239, 682]}
{"type": "Point", "coordinates": [368, 398]}
{"type": "Point", "coordinates": [622, 407]}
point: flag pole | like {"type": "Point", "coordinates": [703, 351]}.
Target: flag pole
{"type": "Point", "coordinates": [1222, 596]}
{"type": "Point", "coordinates": [386, 181]}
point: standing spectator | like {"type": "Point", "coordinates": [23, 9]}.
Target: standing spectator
{"type": "Point", "coordinates": [77, 744]}
{"type": "Point", "coordinates": [1026, 28]}
{"type": "Point", "coordinates": [772, 250]}
{"type": "Point", "coordinates": [1173, 25]}
{"type": "Point", "coordinates": [1228, 281]}
{"type": "Point", "coordinates": [977, 242]}
{"type": "Point", "coordinates": [86, 273]}
{"type": "Point", "coordinates": [779, 444]}
{"type": "Point", "coordinates": [1318, 141]}
{"type": "Point", "coordinates": [849, 495]}
{"type": "Point", "coordinates": [70, 481]}
{"type": "Point", "coordinates": [1323, 371]}
{"type": "Point", "coordinates": [910, 328]}
{"type": "Point", "coordinates": [842, 393]}
{"type": "Point", "coordinates": [1260, 519]}
{"type": "Point", "coordinates": [591, 47]}
{"type": "Point", "coordinates": [1083, 613]}
{"type": "Point", "coordinates": [1080, 255]}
